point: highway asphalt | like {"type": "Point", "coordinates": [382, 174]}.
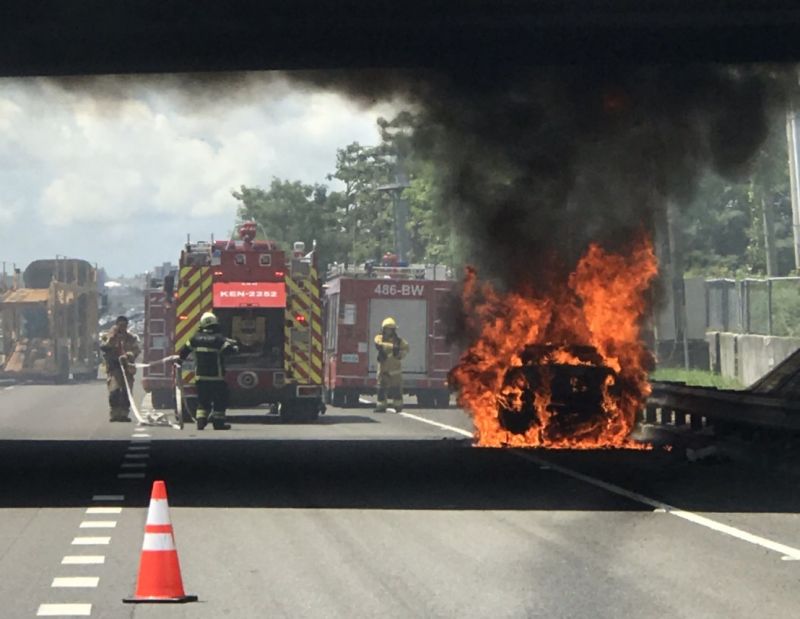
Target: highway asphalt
{"type": "Point", "coordinates": [379, 515]}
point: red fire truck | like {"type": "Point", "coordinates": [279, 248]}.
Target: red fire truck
{"type": "Point", "coordinates": [266, 299]}
{"type": "Point", "coordinates": [357, 301]}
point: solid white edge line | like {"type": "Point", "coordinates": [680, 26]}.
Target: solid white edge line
{"type": "Point", "coordinates": [64, 610]}
{"type": "Point", "coordinates": [788, 552]}
{"type": "Point", "coordinates": [83, 560]}
{"type": "Point", "coordinates": [443, 426]}
{"type": "Point", "coordinates": [108, 497]}
{"type": "Point", "coordinates": [87, 582]}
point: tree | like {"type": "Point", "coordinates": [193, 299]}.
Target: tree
{"type": "Point", "coordinates": [291, 211]}
{"type": "Point", "coordinates": [724, 226]}
{"type": "Point", "coordinates": [363, 212]}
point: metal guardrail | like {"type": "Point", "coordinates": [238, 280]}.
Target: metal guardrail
{"type": "Point", "coordinates": [680, 404]}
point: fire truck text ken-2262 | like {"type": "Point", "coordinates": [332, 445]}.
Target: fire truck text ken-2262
{"type": "Point", "coordinates": [400, 290]}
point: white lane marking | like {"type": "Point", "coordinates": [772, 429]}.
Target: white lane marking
{"type": "Point", "coordinates": [8, 388]}
{"type": "Point", "coordinates": [133, 465]}
{"type": "Point", "coordinates": [98, 524]}
{"type": "Point", "coordinates": [139, 447]}
{"type": "Point", "coordinates": [130, 476]}
{"type": "Point", "coordinates": [141, 435]}
{"type": "Point", "coordinates": [789, 552]}
{"type": "Point", "coordinates": [64, 610]}
{"type": "Point", "coordinates": [83, 560]}
{"type": "Point", "coordinates": [76, 581]}
{"type": "Point", "coordinates": [443, 426]}
{"type": "Point", "coordinates": [91, 541]}
{"type": "Point", "coordinates": [137, 456]}
{"type": "Point", "coordinates": [104, 510]}
{"type": "Point", "coordinates": [108, 497]}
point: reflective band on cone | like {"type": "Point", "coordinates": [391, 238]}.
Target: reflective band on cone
{"type": "Point", "coordinates": [159, 570]}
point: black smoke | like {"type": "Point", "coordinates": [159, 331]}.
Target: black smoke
{"type": "Point", "coordinates": [537, 163]}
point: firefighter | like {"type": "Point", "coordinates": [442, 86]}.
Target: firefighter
{"type": "Point", "coordinates": [391, 350]}
{"type": "Point", "coordinates": [115, 344]}
{"type": "Point", "coordinates": [210, 347]}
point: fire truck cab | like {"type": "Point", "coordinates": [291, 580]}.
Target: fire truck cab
{"type": "Point", "coordinates": [266, 299]}
{"type": "Point", "coordinates": [356, 302]}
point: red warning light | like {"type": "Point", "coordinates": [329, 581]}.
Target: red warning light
{"type": "Point", "coordinates": [300, 318]}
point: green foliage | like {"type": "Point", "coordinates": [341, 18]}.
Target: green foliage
{"type": "Point", "coordinates": [356, 223]}
{"type": "Point", "coordinates": [292, 211]}
{"type": "Point", "coordinates": [723, 227]}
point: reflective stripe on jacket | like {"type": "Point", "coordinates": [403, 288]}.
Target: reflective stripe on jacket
{"type": "Point", "coordinates": [208, 349]}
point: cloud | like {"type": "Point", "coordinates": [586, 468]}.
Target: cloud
{"type": "Point", "coordinates": [142, 153]}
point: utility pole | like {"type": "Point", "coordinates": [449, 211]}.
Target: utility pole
{"type": "Point", "coordinates": [794, 179]}
{"type": "Point", "coordinates": [400, 206]}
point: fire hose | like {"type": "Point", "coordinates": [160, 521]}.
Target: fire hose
{"type": "Point", "coordinates": [152, 417]}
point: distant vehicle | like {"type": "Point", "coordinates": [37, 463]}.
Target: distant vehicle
{"type": "Point", "coordinates": [50, 325]}
{"type": "Point", "coordinates": [267, 299]}
{"type": "Point", "coordinates": [356, 302]}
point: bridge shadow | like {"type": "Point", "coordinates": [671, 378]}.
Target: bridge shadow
{"type": "Point", "coordinates": [421, 474]}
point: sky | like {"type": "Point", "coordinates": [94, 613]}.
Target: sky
{"type": "Point", "coordinates": [118, 170]}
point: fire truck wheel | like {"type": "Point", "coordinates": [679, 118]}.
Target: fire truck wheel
{"type": "Point", "coordinates": [339, 398]}
{"type": "Point", "coordinates": [425, 399]}
{"type": "Point", "coordinates": [162, 399]}
{"type": "Point", "coordinates": [442, 398]}
{"type": "Point", "coordinates": [191, 405]}
{"type": "Point", "coordinates": [300, 411]}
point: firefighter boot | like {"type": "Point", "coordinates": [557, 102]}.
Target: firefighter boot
{"type": "Point", "coordinates": [380, 407]}
{"type": "Point", "coordinates": [202, 419]}
{"type": "Point", "coordinates": [218, 421]}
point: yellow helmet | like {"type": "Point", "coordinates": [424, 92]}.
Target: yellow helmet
{"type": "Point", "coordinates": [389, 323]}
{"type": "Point", "coordinates": [208, 319]}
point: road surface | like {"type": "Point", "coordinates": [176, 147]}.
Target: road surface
{"type": "Point", "coordinates": [378, 515]}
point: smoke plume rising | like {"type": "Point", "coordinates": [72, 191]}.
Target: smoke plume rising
{"type": "Point", "coordinates": [537, 163]}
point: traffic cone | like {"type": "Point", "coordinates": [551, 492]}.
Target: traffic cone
{"type": "Point", "coordinates": [159, 570]}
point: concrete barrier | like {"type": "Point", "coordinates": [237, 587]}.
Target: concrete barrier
{"type": "Point", "coordinates": [748, 357]}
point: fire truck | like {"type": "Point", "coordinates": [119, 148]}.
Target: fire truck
{"type": "Point", "coordinates": [266, 299]}
{"type": "Point", "coordinates": [357, 300]}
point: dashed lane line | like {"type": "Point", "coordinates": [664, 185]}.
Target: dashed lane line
{"type": "Point", "coordinates": [133, 465]}
{"type": "Point", "coordinates": [83, 560]}
{"type": "Point", "coordinates": [108, 497]}
{"type": "Point", "coordinates": [103, 510]}
{"type": "Point", "coordinates": [98, 524]}
{"type": "Point", "coordinates": [76, 582]}
{"type": "Point", "coordinates": [788, 553]}
{"type": "Point", "coordinates": [130, 476]}
{"type": "Point", "coordinates": [136, 456]}
{"type": "Point", "coordinates": [64, 610]}
{"type": "Point", "coordinates": [91, 541]}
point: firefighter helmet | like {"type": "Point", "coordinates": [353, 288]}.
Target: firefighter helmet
{"type": "Point", "coordinates": [207, 320]}
{"type": "Point", "coordinates": [389, 323]}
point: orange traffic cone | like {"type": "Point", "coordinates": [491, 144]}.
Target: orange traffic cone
{"type": "Point", "coordinates": [159, 569]}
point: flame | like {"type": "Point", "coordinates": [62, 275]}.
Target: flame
{"type": "Point", "coordinates": [527, 340]}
